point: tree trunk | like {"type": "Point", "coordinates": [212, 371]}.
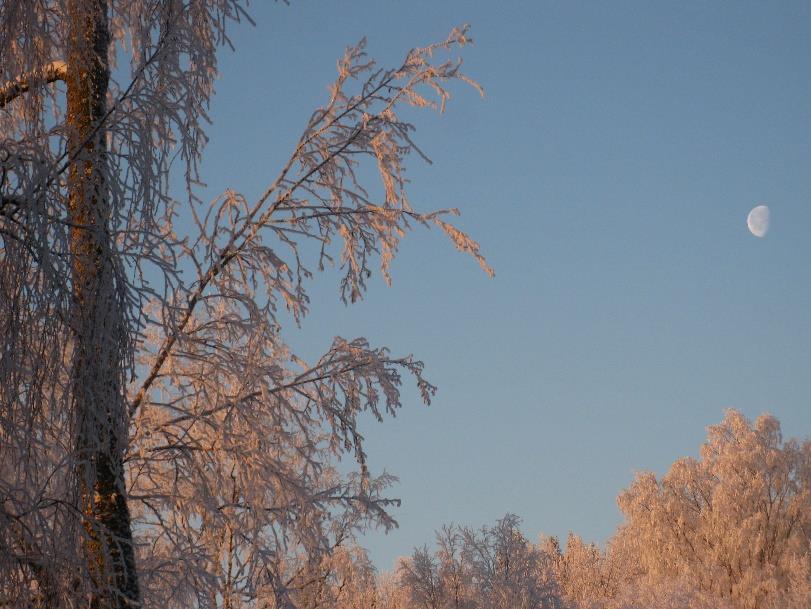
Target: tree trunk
{"type": "Point", "coordinates": [97, 318]}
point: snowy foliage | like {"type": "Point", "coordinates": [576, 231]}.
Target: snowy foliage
{"type": "Point", "coordinates": [488, 568]}
{"type": "Point", "coordinates": [160, 443]}
{"type": "Point", "coordinates": [731, 529]}
{"type": "Point", "coordinates": [735, 525]}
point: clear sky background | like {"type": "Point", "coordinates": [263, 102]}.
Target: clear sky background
{"type": "Point", "coordinates": [607, 175]}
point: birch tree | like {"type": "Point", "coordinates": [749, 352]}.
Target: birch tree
{"type": "Point", "coordinates": [452, 570]}
{"type": "Point", "coordinates": [729, 530]}
{"type": "Point", "coordinates": [504, 565]}
{"type": "Point", "coordinates": [734, 526]}
{"type": "Point", "coordinates": [160, 443]}
{"type": "Point", "coordinates": [491, 568]}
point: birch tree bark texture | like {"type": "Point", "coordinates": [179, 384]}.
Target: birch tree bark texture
{"type": "Point", "coordinates": [97, 317]}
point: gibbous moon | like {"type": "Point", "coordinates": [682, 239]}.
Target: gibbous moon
{"type": "Point", "coordinates": [758, 221]}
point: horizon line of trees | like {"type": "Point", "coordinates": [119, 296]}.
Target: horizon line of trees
{"type": "Point", "coordinates": [730, 529]}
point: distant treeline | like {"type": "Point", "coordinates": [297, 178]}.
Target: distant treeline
{"type": "Point", "coordinates": [729, 530]}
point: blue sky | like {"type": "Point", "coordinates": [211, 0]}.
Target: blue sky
{"type": "Point", "coordinates": [607, 175]}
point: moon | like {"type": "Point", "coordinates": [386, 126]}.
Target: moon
{"type": "Point", "coordinates": [758, 221]}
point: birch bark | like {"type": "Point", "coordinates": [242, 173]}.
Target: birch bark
{"type": "Point", "coordinates": [98, 321]}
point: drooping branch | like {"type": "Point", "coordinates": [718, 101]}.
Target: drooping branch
{"type": "Point", "coordinates": [324, 159]}
{"type": "Point", "coordinates": [51, 72]}
{"type": "Point", "coordinates": [232, 249]}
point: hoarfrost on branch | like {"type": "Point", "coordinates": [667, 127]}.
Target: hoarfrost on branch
{"type": "Point", "coordinates": [160, 443]}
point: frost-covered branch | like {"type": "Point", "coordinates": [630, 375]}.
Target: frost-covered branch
{"type": "Point", "coordinates": [51, 72]}
{"type": "Point", "coordinates": [323, 168]}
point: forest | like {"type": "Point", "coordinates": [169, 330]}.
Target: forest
{"type": "Point", "coordinates": [166, 442]}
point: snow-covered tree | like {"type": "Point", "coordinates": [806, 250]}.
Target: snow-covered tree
{"type": "Point", "coordinates": [391, 594]}
{"type": "Point", "coordinates": [504, 565]}
{"type": "Point", "coordinates": [733, 526]}
{"type": "Point", "coordinates": [344, 579]}
{"type": "Point", "coordinates": [729, 530]}
{"type": "Point", "coordinates": [419, 575]}
{"type": "Point", "coordinates": [590, 578]}
{"type": "Point", "coordinates": [452, 570]}
{"type": "Point", "coordinates": [160, 443]}
{"type": "Point", "coordinates": [490, 567]}
{"type": "Point", "coordinates": [549, 555]}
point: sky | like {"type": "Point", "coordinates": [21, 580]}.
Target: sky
{"type": "Point", "coordinates": [607, 174]}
